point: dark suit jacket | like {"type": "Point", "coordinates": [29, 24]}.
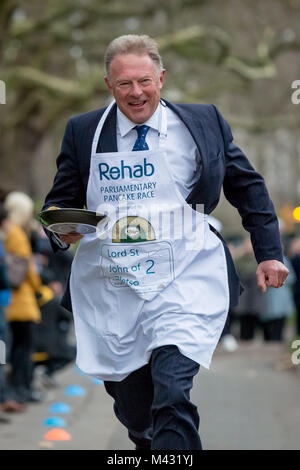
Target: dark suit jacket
{"type": "Point", "coordinates": [223, 164]}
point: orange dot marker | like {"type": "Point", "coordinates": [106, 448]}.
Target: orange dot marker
{"type": "Point", "coordinates": [57, 434]}
{"type": "Point", "coordinates": [296, 213]}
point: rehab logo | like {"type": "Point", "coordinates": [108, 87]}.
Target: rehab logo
{"type": "Point", "coordinates": [125, 171]}
{"type": "Point", "coordinates": [2, 92]}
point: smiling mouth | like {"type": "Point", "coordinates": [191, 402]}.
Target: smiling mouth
{"type": "Point", "coordinates": [137, 105]}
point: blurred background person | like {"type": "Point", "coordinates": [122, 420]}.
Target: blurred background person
{"type": "Point", "coordinates": [251, 300]}
{"type": "Point", "coordinates": [278, 303]}
{"type": "Point", "coordinates": [54, 267]}
{"type": "Point", "coordinates": [53, 351]}
{"type": "Point", "coordinates": [278, 306]}
{"type": "Point", "coordinates": [4, 302]}
{"type": "Point", "coordinates": [23, 311]}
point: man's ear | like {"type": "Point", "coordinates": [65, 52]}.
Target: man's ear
{"type": "Point", "coordinates": [108, 84]}
{"type": "Point", "coordinates": [162, 78]}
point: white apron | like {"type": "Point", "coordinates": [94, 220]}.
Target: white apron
{"type": "Point", "coordinates": [154, 275]}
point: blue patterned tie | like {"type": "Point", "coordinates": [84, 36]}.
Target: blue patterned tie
{"type": "Point", "coordinates": [140, 143]}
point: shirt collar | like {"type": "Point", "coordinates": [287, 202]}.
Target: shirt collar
{"type": "Point", "coordinates": [125, 125]}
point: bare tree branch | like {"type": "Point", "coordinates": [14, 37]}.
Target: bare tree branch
{"type": "Point", "coordinates": [60, 87]}
{"type": "Point", "coordinates": [263, 67]}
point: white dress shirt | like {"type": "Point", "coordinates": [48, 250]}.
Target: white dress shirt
{"type": "Point", "coordinates": [183, 155]}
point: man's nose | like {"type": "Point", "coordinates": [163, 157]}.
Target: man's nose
{"type": "Point", "coordinates": [136, 89]}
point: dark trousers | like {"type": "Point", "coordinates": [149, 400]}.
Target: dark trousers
{"type": "Point", "coordinates": [273, 329]}
{"type": "Point", "coordinates": [153, 402]}
{"type": "Point", "coordinates": [20, 360]}
{"type": "Point", "coordinates": [248, 323]}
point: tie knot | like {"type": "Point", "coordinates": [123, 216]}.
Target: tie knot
{"type": "Point", "coordinates": [142, 131]}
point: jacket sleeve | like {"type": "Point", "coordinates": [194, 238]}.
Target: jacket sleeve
{"type": "Point", "coordinates": [245, 189]}
{"type": "Point", "coordinates": [67, 189]}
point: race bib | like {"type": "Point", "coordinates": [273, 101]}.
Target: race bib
{"type": "Point", "coordinates": [147, 267]}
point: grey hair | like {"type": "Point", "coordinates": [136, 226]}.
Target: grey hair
{"type": "Point", "coordinates": [133, 44]}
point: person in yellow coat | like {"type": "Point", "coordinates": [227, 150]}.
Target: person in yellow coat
{"type": "Point", "coordinates": [23, 311]}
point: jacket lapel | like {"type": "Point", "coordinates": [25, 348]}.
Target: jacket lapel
{"type": "Point", "coordinates": [108, 137]}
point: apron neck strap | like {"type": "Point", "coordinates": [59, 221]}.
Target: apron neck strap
{"type": "Point", "coordinates": [99, 127]}
{"type": "Point", "coordinates": [163, 125]}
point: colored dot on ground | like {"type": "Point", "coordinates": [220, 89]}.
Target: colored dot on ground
{"type": "Point", "coordinates": [60, 407]}
{"type": "Point", "coordinates": [57, 434]}
{"type": "Point", "coordinates": [74, 390]}
{"type": "Point", "coordinates": [97, 381]}
{"type": "Point", "coordinates": [79, 371]}
{"type": "Point", "coordinates": [54, 421]}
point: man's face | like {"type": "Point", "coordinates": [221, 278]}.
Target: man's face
{"type": "Point", "coordinates": [135, 83]}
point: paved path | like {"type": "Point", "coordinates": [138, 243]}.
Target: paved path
{"type": "Point", "coordinates": [244, 403]}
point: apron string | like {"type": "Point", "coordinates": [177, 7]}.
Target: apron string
{"type": "Point", "coordinates": [99, 127]}
{"type": "Point", "coordinates": [162, 133]}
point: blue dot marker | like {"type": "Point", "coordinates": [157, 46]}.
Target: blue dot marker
{"type": "Point", "coordinates": [74, 391]}
{"type": "Point", "coordinates": [55, 421]}
{"type": "Point", "coordinates": [79, 371]}
{"type": "Point", "coordinates": [60, 407]}
{"type": "Point", "coordinates": [97, 381]}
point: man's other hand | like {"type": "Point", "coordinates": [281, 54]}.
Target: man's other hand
{"type": "Point", "coordinates": [271, 273]}
{"type": "Point", "coordinates": [72, 237]}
